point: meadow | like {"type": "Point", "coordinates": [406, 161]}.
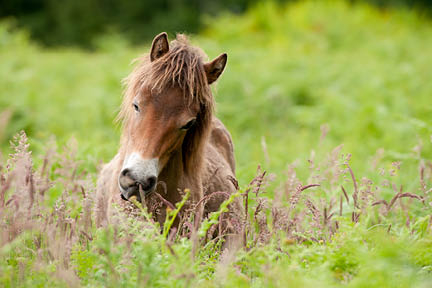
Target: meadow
{"type": "Point", "coordinates": [316, 92]}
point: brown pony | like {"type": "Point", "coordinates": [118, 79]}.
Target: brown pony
{"type": "Point", "coordinates": [170, 134]}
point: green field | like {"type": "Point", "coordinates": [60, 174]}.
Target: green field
{"type": "Point", "coordinates": [301, 80]}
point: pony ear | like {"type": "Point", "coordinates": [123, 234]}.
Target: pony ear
{"type": "Point", "coordinates": [215, 68]}
{"type": "Point", "coordinates": [159, 47]}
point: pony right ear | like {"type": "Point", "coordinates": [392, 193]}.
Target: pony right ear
{"type": "Point", "coordinates": [159, 47]}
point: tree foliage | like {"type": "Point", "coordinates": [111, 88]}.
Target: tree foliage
{"type": "Point", "coordinates": [70, 22]}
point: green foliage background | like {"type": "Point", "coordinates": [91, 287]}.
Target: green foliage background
{"type": "Point", "coordinates": [294, 72]}
{"type": "Point", "coordinates": [69, 22]}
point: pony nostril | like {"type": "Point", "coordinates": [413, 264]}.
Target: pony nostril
{"type": "Point", "coordinates": [149, 183]}
{"type": "Point", "coordinates": [126, 179]}
{"type": "Point", "coordinates": [152, 181]}
{"type": "Point", "coordinates": [125, 172]}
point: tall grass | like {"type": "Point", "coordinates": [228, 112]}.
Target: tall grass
{"type": "Point", "coordinates": [336, 227]}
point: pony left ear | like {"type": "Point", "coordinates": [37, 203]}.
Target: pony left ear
{"type": "Point", "coordinates": [215, 68]}
{"type": "Point", "coordinates": [159, 47]}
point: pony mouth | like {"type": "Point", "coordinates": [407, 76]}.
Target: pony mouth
{"type": "Point", "coordinates": [130, 193]}
{"type": "Point", "coordinates": [133, 193]}
{"type": "Point", "coordinates": [132, 199]}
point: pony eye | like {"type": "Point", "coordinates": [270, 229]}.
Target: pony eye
{"type": "Point", "coordinates": [188, 125]}
{"type": "Point", "coordinates": [136, 107]}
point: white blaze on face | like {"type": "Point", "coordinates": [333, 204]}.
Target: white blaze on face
{"type": "Point", "coordinates": [141, 168]}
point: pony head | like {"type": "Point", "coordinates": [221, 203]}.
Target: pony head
{"type": "Point", "coordinates": [167, 108]}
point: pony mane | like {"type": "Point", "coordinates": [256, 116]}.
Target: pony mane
{"type": "Point", "coordinates": [182, 66]}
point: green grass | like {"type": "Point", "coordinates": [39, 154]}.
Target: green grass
{"type": "Point", "coordinates": [359, 73]}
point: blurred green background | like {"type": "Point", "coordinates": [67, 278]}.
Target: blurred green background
{"type": "Point", "coordinates": [70, 22]}
{"type": "Point", "coordinates": [301, 77]}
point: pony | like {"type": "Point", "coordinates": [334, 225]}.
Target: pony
{"type": "Point", "coordinates": [171, 140]}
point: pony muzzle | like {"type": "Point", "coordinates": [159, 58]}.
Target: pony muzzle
{"type": "Point", "coordinates": [137, 173]}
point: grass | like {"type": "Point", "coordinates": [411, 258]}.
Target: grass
{"type": "Point", "coordinates": [301, 80]}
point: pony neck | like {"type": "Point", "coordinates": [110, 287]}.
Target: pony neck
{"type": "Point", "coordinates": [172, 175]}
{"type": "Point", "coordinates": [176, 178]}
